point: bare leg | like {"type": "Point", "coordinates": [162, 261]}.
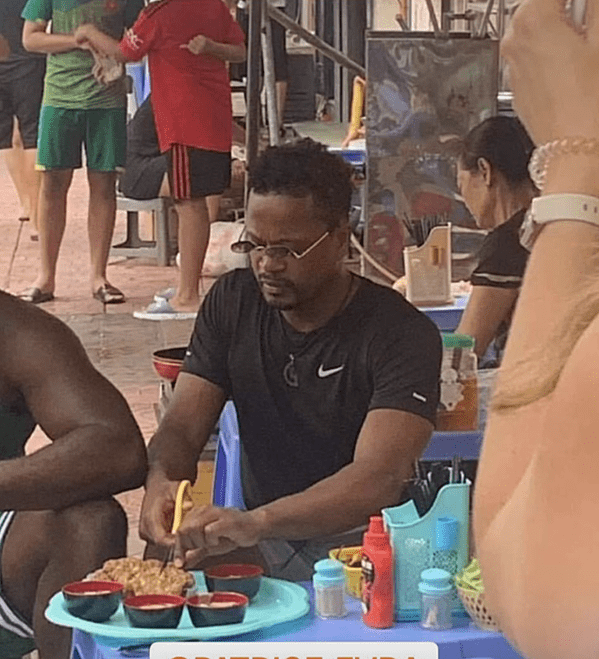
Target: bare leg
{"type": "Point", "coordinates": [52, 220]}
{"type": "Point", "coordinates": [213, 204]}
{"type": "Point", "coordinates": [100, 222]}
{"type": "Point", "coordinates": [14, 164]}
{"type": "Point", "coordinates": [21, 167]}
{"type": "Point", "coordinates": [46, 549]}
{"type": "Point", "coordinates": [33, 182]}
{"type": "Point", "coordinates": [194, 233]}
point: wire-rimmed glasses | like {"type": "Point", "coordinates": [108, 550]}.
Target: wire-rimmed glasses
{"type": "Point", "coordinates": [277, 252]}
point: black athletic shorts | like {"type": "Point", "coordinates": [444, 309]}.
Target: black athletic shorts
{"type": "Point", "coordinates": [142, 178]}
{"type": "Point", "coordinates": [194, 173]}
{"type": "Point", "coordinates": [21, 91]}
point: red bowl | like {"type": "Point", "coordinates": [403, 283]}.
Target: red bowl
{"type": "Point", "coordinates": [210, 609]}
{"type": "Point", "coordinates": [154, 611]}
{"type": "Point", "coordinates": [168, 362]}
{"type": "Point", "coordinates": [95, 601]}
{"type": "Point", "coordinates": [241, 578]}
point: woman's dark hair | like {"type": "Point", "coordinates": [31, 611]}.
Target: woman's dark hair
{"type": "Point", "coordinates": [504, 143]}
{"type": "Point", "coordinates": [305, 168]}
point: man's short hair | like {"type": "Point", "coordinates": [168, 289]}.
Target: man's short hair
{"type": "Point", "coordinates": [305, 168]}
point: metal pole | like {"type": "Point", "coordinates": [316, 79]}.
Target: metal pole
{"type": "Point", "coordinates": [315, 41]}
{"type": "Point", "coordinates": [337, 68]}
{"type": "Point", "coordinates": [433, 17]}
{"type": "Point", "coordinates": [501, 18]}
{"type": "Point", "coordinates": [483, 27]}
{"type": "Point", "coordinates": [269, 78]}
{"type": "Point", "coordinates": [253, 84]}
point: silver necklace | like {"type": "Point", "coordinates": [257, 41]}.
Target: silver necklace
{"type": "Point", "coordinates": [289, 371]}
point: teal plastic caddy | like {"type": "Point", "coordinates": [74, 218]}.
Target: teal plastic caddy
{"type": "Point", "coordinates": [414, 543]}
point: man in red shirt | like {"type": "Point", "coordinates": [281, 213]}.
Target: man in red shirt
{"type": "Point", "coordinates": [187, 43]}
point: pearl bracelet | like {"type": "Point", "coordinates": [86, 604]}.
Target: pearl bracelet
{"type": "Point", "coordinates": [542, 155]}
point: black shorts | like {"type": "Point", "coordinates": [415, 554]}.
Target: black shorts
{"type": "Point", "coordinates": [195, 173]}
{"type": "Point", "coordinates": [142, 178]}
{"type": "Point", "coordinates": [21, 91]}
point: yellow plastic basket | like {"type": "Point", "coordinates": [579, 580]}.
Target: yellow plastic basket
{"type": "Point", "coordinates": [353, 575]}
{"type": "Point", "coordinates": [471, 590]}
{"type": "Point", "coordinates": [474, 603]}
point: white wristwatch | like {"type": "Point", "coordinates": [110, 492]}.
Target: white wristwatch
{"type": "Point", "coordinates": [556, 207]}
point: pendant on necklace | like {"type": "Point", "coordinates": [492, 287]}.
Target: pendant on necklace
{"type": "Point", "coordinates": [290, 373]}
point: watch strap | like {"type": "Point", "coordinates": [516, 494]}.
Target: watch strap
{"type": "Point", "coordinates": [555, 208]}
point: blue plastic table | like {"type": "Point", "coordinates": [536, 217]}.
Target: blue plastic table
{"type": "Point", "coordinates": [447, 317]}
{"type": "Point", "coordinates": [464, 641]}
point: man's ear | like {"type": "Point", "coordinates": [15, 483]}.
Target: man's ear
{"type": "Point", "coordinates": [485, 170]}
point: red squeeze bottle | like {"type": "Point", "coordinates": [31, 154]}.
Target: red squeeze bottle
{"type": "Point", "coordinates": [377, 576]}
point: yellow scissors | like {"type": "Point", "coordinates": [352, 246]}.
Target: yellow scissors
{"type": "Point", "coordinates": [183, 502]}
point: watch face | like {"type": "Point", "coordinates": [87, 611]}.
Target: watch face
{"type": "Point", "coordinates": [529, 230]}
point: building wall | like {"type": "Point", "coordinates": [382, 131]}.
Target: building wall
{"type": "Point", "coordinates": [384, 12]}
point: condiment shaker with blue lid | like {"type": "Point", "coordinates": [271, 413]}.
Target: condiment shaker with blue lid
{"type": "Point", "coordinates": [436, 589]}
{"type": "Point", "coordinates": [329, 588]}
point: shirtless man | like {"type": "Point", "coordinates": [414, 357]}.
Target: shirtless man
{"type": "Point", "coordinates": [58, 519]}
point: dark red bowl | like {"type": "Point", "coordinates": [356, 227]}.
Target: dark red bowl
{"type": "Point", "coordinates": [154, 611]}
{"type": "Point", "coordinates": [217, 609]}
{"type": "Point", "coordinates": [95, 601]}
{"type": "Point", "coordinates": [168, 362]}
{"type": "Point", "coordinates": [234, 578]}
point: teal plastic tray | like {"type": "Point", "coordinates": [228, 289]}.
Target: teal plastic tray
{"type": "Point", "coordinates": [277, 602]}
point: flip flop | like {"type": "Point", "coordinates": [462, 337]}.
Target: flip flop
{"type": "Point", "coordinates": [109, 294]}
{"type": "Point", "coordinates": [161, 310]}
{"type": "Point", "coordinates": [165, 294]}
{"type": "Point", "coordinates": [36, 295]}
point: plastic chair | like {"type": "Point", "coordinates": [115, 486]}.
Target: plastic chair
{"type": "Point", "coordinates": [226, 490]}
{"type": "Point", "coordinates": [133, 245]}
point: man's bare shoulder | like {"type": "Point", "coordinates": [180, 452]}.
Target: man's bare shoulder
{"type": "Point", "coordinates": [31, 337]}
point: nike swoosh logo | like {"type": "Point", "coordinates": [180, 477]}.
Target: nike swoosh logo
{"type": "Point", "coordinates": [325, 372]}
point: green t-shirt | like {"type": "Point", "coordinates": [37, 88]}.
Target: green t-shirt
{"type": "Point", "coordinates": [69, 80]}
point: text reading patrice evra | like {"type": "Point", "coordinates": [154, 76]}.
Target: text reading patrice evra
{"type": "Point", "coordinates": [299, 650]}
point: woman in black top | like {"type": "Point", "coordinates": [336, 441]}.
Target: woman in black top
{"type": "Point", "coordinates": [494, 182]}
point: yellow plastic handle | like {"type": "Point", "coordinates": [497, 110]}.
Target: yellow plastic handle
{"type": "Point", "coordinates": [183, 490]}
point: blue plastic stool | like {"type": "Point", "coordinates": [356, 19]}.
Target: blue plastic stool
{"type": "Point", "coordinates": [226, 490]}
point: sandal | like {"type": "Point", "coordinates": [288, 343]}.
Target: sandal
{"type": "Point", "coordinates": [36, 296]}
{"type": "Point", "coordinates": [161, 309]}
{"type": "Point", "coordinates": [109, 294]}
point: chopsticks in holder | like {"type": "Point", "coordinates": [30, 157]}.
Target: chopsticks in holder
{"type": "Point", "coordinates": [420, 228]}
{"type": "Point", "coordinates": [424, 487]}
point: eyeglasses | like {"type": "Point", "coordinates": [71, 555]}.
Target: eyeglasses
{"type": "Point", "coordinates": [277, 252]}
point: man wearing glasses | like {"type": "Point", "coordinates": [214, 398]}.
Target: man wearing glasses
{"type": "Point", "coordinates": [334, 378]}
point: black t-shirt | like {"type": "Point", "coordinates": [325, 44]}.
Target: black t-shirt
{"type": "Point", "coordinates": [142, 139]}
{"type": "Point", "coordinates": [502, 259]}
{"type": "Point", "coordinates": [501, 264]}
{"type": "Point", "coordinates": [11, 28]}
{"type": "Point", "coordinates": [379, 352]}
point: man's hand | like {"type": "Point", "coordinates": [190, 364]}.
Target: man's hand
{"type": "Point", "coordinates": [82, 36]}
{"type": "Point", "coordinates": [198, 45]}
{"type": "Point", "coordinates": [157, 510]}
{"type": "Point", "coordinates": [213, 531]}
